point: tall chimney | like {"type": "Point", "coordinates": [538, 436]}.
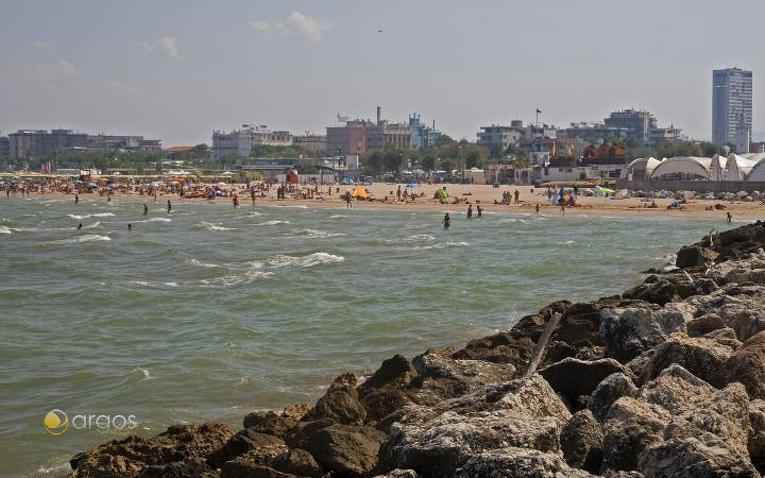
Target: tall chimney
{"type": "Point", "coordinates": [378, 115]}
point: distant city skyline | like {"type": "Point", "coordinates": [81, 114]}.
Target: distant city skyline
{"type": "Point", "coordinates": [177, 70]}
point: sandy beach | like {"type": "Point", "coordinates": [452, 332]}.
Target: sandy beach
{"type": "Point", "coordinates": [485, 195]}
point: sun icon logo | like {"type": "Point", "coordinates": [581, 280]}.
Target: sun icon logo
{"type": "Point", "coordinates": [56, 422]}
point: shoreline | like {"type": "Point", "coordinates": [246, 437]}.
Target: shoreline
{"type": "Point", "coordinates": [588, 206]}
{"type": "Point", "coordinates": [637, 384]}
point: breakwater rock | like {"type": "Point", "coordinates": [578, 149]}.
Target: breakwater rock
{"type": "Point", "coordinates": [666, 379]}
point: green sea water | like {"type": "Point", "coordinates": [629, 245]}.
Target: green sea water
{"type": "Point", "coordinates": [213, 312]}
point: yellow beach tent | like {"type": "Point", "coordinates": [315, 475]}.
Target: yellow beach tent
{"type": "Point", "coordinates": [360, 193]}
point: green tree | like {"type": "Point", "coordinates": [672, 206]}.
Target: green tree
{"type": "Point", "coordinates": [447, 164]}
{"type": "Point", "coordinates": [392, 160]}
{"type": "Point", "coordinates": [372, 163]}
{"type": "Point", "coordinates": [428, 161]}
{"type": "Point", "coordinates": [679, 148]}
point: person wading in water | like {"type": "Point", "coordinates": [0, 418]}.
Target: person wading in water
{"type": "Point", "coordinates": [447, 221]}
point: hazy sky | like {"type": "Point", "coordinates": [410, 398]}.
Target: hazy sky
{"type": "Point", "coordinates": [176, 70]}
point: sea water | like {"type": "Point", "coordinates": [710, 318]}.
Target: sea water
{"type": "Point", "coordinates": [211, 312]}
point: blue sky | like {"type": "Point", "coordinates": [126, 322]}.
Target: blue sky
{"type": "Point", "coordinates": [176, 70]}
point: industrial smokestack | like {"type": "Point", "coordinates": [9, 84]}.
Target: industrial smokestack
{"type": "Point", "coordinates": [378, 115]}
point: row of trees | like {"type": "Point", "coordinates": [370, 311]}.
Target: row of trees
{"type": "Point", "coordinates": [448, 156]}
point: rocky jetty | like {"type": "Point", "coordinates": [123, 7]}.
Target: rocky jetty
{"type": "Point", "coordinates": [664, 380]}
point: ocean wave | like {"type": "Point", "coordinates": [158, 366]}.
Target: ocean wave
{"type": "Point", "coordinates": [314, 234]}
{"type": "Point", "coordinates": [83, 238]}
{"type": "Point", "coordinates": [213, 227]}
{"type": "Point", "coordinates": [272, 223]}
{"type": "Point", "coordinates": [236, 279]}
{"type": "Point", "coordinates": [143, 371]}
{"type": "Point", "coordinates": [567, 243]}
{"type": "Point", "coordinates": [51, 469]}
{"type": "Point", "coordinates": [338, 216]}
{"type": "Point", "coordinates": [199, 263]}
{"type": "Point", "coordinates": [157, 219]}
{"type": "Point", "coordinates": [88, 216]}
{"type": "Point", "coordinates": [5, 230]}
{"type": "Point", "coordinates": [509, 220]}
{"type": "Point", "coordinates": [310, 260]}
{"type": "Point", "coordinates": [441, 245]}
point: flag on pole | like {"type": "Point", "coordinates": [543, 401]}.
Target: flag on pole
{"type": "Point", "coordinates": [538, 111]}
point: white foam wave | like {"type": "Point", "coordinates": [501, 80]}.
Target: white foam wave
{"type": "Point", "coordinates": [88, 216]}
{"type": "Point", "coordinates": [5, 230]}
{"type": "Point", "coordinates": [315, 234]}
{"type": "Point", "coordinates": [171, 284]}
{"type": "Point", "coordinates": [567, 243]}
{"type": "Point", "coordinates": [84, 238]}
{"type": "Point", "coordinates": [509, 220]}
{"type": "Point", "coordinates": [140, 282]}
{"type": "Point", "coordinates": [51, 469]}
{"type": "Point", "coordinates": [441, 245]}
{"type": "Point", "coordinates": [157, 219]}
{"type": "Point", "coordinates": [310, 260]}
{"type": "Point", "coordinates": [236, 279]}
{"type": "Point", "coordinates": [199, 263]}
{"type": "Point", "coordinates": [338, 216]}
{"type": "Point", "coordinates": [214, 227]}
{"type": "Point", "coordinates": [143, 371]}
{"type": "Point", "coordinates": [273, 222]}
{"type": "Point", "coordinates": [92, 226]}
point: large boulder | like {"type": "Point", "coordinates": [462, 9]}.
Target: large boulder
{"type": "Point", "coordinates": [573, 378]}
{"type": "Point", "coordinates": [348, 451]}
{"type": "Point", "coordinates": [582, 442]}
{"type": "Point", "coordinates": [757, 434]}
{"type": "Point", "coordinates": [747, 366]}
{"type": "Point", "coordinates": [435, 441]}
{"type": "Point", "coordinates": [513, 462]}
{"type": "Point", "coordinates": [190, 468]}
{"type": "Point", "coordinates": [394, 372]}
{"type": "Point", "coordinates": [695, 256]}
{"type": "Point", "coordinates": [340, 403]}
{"type": "Point", "coordinates": [676, 420]}
{"type": "Point", "coordinates": [261, 448]}
{"type": "Point", "coordinates": [703, 357]}
{"type": "Point", "coordinates": [297, 462]}
{"type": "Point", "coordinates": [440, 376]}
{"type": "Point", "coordinates": [609, 390]}
{"type": "Point", "coordinates": [691, 457]}
{"type": "Point", "coordinates": [628, 332]}
{"type": "Point", "coordinates": [125, 458]}
{"type": "Point", "coordinates": [277, 424]}
{"type": "Point", "coordinates": [630, 426]}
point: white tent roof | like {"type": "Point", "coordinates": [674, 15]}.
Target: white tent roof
{"type": "Point", "coordinates": [691, 165]}
{"type": "Point", "coordinates": [757, 172]}
{"type": "Point", "coordinates": [648, 164]}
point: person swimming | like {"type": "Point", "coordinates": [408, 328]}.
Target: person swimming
{"type": "Point", "coordinates": [130, 227]}
{"type": "Point", "coordinates": [79, 226]}
{"type": "Point", "coordinates": [447, 221]}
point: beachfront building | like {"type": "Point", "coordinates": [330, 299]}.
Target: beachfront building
{"type": "Point", "coordinates": [423, 136]}
{"type": "Point", "coordinates": [239, 143]}
{"type": "Point", "coordinates": [39, 144]}
{"type": "Point", "coordinates": [498, 138]}
{"type": "Point", "coordinates": [347, 138]}
{"type": "Point", "coordinates": [637, 123]}
{"type": "Point", "coordinates": [732, 108]}
{"type": "Point", "coordinates": [311, 142]}
{"type": "Point", "coordinates": [122, 143]}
